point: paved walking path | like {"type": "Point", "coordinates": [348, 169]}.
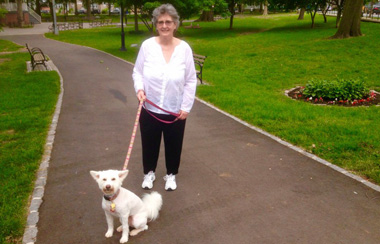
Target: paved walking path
{"type": "Point", "coordinates": [235, 185]}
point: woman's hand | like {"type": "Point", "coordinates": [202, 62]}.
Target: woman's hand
{"type": "Point", "coordinates": [141, 95]}
{"type": "Point", "coordinates": [182, 115]}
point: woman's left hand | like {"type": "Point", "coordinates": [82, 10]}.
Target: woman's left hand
{"type": "Point", "coordinates": [182, 115]}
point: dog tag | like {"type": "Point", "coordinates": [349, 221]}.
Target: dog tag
{"type": "Point", "coordinates": [113, 207]}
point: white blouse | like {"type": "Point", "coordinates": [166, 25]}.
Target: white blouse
{"type": "Point", "coordinates": [171, 85]}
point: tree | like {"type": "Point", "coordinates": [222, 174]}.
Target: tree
{"type": "Point", "coordinates": [146, 14]}
{"type": "Point", "coordinates": [186, 8]}
{"type": "Point", "coordinates": [231, 8]}
{"type": "Point", "coordinates": [339, 7]}
{"type": "Point", "coordinates": [211, 7]}
{"type": "Point", "coordinates": [350, 24]}
{"type": "Point", "coordinates": [20, 14]}
{"type": "Point", "coordinates": [302, 14]}
{"type": "Point", "coordinates": [265, 10]}
{"type": "Point", "coordinates": [3, 11]}
{"type": "Point", "coordinates": [38, 7]}
{"type": "Point", "coordinates": [311, 6]}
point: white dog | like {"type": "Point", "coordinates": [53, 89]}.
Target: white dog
{"type": "Point", "coordinates": [119, 202]}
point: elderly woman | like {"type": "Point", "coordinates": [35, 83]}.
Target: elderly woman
{"type": "Point", "coordinates": [164, 74]}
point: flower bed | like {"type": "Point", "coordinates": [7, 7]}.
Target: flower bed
{"type": "Point", "coordinates": [373, 98]}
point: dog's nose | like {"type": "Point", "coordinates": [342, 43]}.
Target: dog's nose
{"type": "Point", "coordinates": [108, 187]}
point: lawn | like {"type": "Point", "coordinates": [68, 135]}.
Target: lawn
{"type": "Point", "coordinates": [26, 107]}
{"type": "Point", "coordinates": [249, 68]}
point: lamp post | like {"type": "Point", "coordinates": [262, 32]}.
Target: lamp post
{"type": "Point", "coordinates": [54, 19]}
{"type": "Point", "coordinates": [122, 28]}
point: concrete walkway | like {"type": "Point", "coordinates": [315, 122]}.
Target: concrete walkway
{"type": "Point", "coordinates": [236, 185]}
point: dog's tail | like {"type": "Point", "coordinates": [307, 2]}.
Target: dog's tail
{"type": "Point", "coordinates": [153, 203]}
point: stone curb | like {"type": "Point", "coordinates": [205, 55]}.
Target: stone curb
{"type": "Point", "coordinates": [30, 234]}
{"type": "Point", "coordinates": [297, 149]}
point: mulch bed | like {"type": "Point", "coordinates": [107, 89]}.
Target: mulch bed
{"type": "Point", "coordinates": [371, 99]}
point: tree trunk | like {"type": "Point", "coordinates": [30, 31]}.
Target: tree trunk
{"type": "Point", "coordinates": [324, 17]}
{"type": "Point", "coordinates": [51, 9]}
{"type": "Point", "coordinates": [231, 22]}
{"type": "Point", "coordinates": [231, 8]}
{"type": "Point", "coordinates": [75, 7]}
{"type": "Point", "coordinates": [302, 14]}
{"type": "Point", "coordinates": [207, 16]}
{"type": "Point", "coordinates": [350, 24]}
{"type": "Point", "coordinates": [88, 7]}
{"type": "Point", "coordinates": [20, 14]}
{"type": "Point", "coordinates": [265, 12]}
{"type": "Point", "coordinates": [136, 18]}
{"type": "Point", "coordinates": [338, 17]}
{"type": "Point", "coordinates": [38, 7]}
{"type": "Point", "coordinates": [312, 15]}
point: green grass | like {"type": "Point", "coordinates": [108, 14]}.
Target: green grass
{"type": "Point", "coordinates": [249, 68]}
{"type": "Point", "coordinates": [26, 107]}
{"type": "Point", "coordinates": [7, 46]}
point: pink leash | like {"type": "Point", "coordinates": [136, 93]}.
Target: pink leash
{"type": "Point", "coordinates": [137, 123]}
{"type": "Point", "coordinates": [163, 121]}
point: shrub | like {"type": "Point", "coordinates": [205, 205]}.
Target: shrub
{"type": "Point", "coordinates": [338, 89]}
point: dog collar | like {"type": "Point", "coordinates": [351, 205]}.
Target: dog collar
{"type": "Point", "coordinates": [113, 197]}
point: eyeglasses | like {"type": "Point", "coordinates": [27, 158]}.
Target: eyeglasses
{"type": "Point", "coordinates": [166, 22]}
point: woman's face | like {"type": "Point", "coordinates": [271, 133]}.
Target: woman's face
{"type": "Point", "coordinates": [165, 25]}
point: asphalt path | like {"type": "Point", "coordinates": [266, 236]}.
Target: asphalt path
{"type": "Point", "coordinates": [235, 184]}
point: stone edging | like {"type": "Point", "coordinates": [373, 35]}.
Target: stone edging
{"type": "Point", "coordinates": [30, 234]}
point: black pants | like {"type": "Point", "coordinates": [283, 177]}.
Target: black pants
{"type": "Point", "coordinates": [151, 133]}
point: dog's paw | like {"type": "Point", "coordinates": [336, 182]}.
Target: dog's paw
{"type": "Point", "coordinates": [136, 231]}
{"type": "Point", "coordinates": [119, 229]}
{"type": "Point", "coordinates": [109, 234]}
{"type": "Point", "coordinates": [124, 239]}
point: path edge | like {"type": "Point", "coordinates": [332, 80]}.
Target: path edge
{"type": "Point", "coordinates": [30, 233]}
{"type": "Point", "coordinates": [297, 149]}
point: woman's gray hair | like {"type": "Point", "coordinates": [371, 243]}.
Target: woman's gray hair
{"type": "Point", "coordinates": [165, 9]}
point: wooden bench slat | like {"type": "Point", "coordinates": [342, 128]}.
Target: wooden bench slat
{"type": "Point", "coordinates": [199, 60]}
{"type": "Point", "coordinates": [199, 56]}
{"type": "Point", "coordinates": [36, 56]}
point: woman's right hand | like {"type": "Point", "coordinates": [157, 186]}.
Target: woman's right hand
{"type": "Point", "coordinates": [141, 95]}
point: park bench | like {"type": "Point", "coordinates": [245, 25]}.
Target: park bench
{"type": "Point", "coordinates": [199, 60]}
{"type": "Point", "coordinates": [98, 23]}
{"type": "Point", "coordinates": [67, 26]}
{"type": "Point", "coordinates": [37, 57]}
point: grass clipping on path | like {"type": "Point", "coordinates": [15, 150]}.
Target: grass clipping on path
{"type": "Point", "coordinates": [26, 107]}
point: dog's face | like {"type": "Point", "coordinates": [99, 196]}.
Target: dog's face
{"type": "Point", "coordinates": [109, 181]}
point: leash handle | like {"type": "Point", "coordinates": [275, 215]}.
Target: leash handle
{"type": "Point", "coordinates": [163, 121]}
{"type": "Point", "coordinates": [133, 136]}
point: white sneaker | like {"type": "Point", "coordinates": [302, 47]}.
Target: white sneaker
{"type": "Point", "coordinates": [170, 185]}
{"type": "Point", "coordinates": [148, 180]}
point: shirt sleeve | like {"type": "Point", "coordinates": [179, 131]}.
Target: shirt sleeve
{"type": "Point", "coordinates": [138, 70]}
{"type": "Point", "coordinates": [190, 82]}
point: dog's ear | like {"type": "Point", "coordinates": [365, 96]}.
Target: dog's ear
{"type": "Point", "coordinates": [95, 175]}
{"type": "Point", "coordinates": [123, 174]}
